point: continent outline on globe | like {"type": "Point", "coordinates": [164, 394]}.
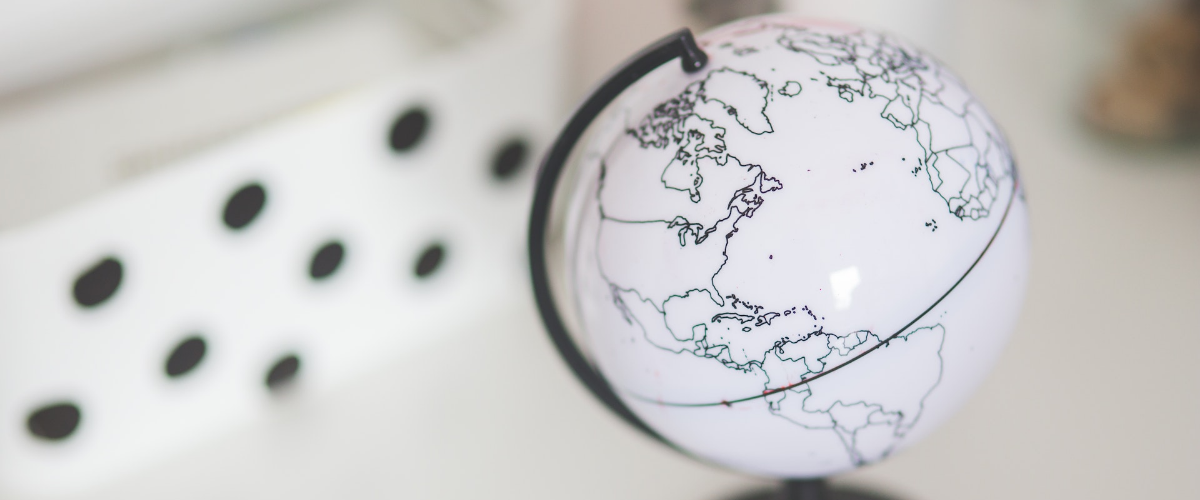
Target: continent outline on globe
{"type": "Point", "coordinates": [723, 347]}
{"type": "Point", "coordinates": [690, 129]}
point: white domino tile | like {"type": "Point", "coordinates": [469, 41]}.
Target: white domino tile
{"type": "Point", "coordinates": [329, 175]}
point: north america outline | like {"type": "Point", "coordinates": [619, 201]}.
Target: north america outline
{"type": "Point", "coordinates": [717, 193]}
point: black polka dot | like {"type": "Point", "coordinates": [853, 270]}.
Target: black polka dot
{"type": "Point", "coordinates": [186, 356]}
{"type": "Point", "coordinates": [99, 283]}
{"type": "Point", "coordinates": [327, 260]}
{"type": "Point", "coordinates": [430, 259]}
{"type": "Point", "coordinates": [509, 159]}
{"type": "Point", "coordinates": [244, 205]}
{"type": "Point", "coordinates": [55, 421]}
{"type": "Point", "coordinates": [408, 130]}
{"type": "Point", "coordinates": [283, 371]}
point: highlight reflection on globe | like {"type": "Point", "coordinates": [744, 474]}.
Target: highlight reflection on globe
{"type": "Point", "coordinates": [801, 258]}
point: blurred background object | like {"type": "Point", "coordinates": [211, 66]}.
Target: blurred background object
{"type": "Point", "coordinates": [1152, 90]}
{"type": "Point", "coordinates": [135, 84]}
{"type": "Point", "coordinates": [930, 24]}
{"type": "Point", "coordinates": [210, 227]}
{"type": "Point", "coordinates": [714, 12]}
{"type": "Point", "coordinates": [44, 41]}
{"type": "Point", "coordinates": [97, 95]}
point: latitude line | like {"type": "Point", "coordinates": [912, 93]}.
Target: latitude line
{"type": "Point", "coordinates": [804, 381]}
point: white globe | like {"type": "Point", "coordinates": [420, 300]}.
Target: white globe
{"type": "Point", "coordinates": [801, 258]}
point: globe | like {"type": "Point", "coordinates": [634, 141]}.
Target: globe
{"type": "Point", "coordinates": [801, 258]}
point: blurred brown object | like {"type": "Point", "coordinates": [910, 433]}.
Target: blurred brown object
{"type": "Point", "coordinates": [1153, 91]}
{"type": "Point", "coordinates": [714, 12]}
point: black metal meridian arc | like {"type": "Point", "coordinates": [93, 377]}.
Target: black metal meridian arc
{"type": "Point", "coordinates": [681, 45]}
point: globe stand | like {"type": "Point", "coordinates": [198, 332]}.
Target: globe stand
{"type": "Point", "coordinates": [544, 229]}
{"type": "Point", "coordinates": [810, 489]}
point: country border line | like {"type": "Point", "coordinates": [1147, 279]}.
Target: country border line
{"type": "Point", "coordinates": [768, 392]}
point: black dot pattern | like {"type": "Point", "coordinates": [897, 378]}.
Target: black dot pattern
{"type": "Point", "coordinates": [430, 260]}
{"type": "Point", "coordinates": [327, 260]}
{"type": "Point", "coordinates": [509, 159]}
{"type": "Point", "coordinates": [99, 283]}
{"type": "Point", "coordinates": [283, 372]}
{"type": "Point", "coordinates": [54, 422]}
{"type": "Point", "coordinates": [408, 130]}
{"type": "Point", "coordinates": [244, 206]}
{"type": "Point", "coordinates": [186, 356]}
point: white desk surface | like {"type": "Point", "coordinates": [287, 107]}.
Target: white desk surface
{"type": "Point", "coordinates": [1097, 396]}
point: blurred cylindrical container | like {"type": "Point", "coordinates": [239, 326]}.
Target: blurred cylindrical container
{"type": "Point", "coordinates": [928, 23]}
